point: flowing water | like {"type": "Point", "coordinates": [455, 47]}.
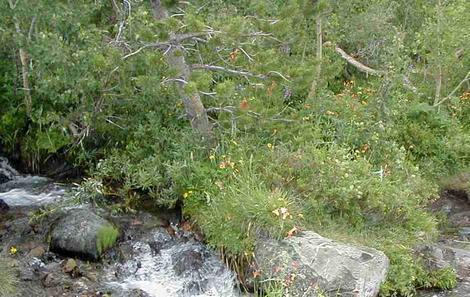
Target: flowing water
{"type": "Point", "coordinates": [155, 262]}
{"type": "Point", "coordinates": [174, 268]}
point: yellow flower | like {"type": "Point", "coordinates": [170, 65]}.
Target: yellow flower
{"type": "Point", "coordinates": [212, 157]}
{"type": "Point", "coordinates": [13, 250]}
{"type": "Point", "coordinates": [187, 194]}
{"type": "Point", "coordinates": [270, 146]}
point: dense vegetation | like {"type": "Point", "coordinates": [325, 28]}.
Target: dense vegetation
{"type": "Point", "coordinates": [255, 116]}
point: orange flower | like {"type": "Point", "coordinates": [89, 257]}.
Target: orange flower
{"type": "Point", "coordinates": [292, 232]}
{"type": "Point", "coordinates": [244, 105]}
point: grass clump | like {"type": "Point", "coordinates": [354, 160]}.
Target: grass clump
{"type": "Point", "coordinates": [106, 238]}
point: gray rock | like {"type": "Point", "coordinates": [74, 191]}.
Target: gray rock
{"type": "Point", "coordinates": [78, 233]}
{"type": "Point", "coordinates": [443, 256]}
{"type": "Point", "coordinates": [461, 290]}
{"type": "Point", "coordinates": [308, 264]}
{"type": "Point", "coordinates": [7, 173]}
{"type": "Point", "coordinates": [187, 260]}
{"type": "Point", "coordinates": [3, 207]}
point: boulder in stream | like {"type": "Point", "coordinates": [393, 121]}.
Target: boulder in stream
{"type": "Point", "coordinates": [82, 233]}
{"type": "Point", "coordinates": [309, 264]}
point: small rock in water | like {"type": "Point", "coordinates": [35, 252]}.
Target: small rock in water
{"type": "Point", "coordinates": [189, 260]}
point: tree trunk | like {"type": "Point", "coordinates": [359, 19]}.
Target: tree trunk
{"type": "Point", "coordinates": [24, 59]}
{"type": "Point", "coordinates": [194, 108]}
{"type": "Point", "coordinates": [319, 55]}
{"type": "Point", "coordinates": [437, 96]}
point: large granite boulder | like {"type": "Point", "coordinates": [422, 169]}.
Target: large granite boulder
{"type": "Point", "coordinates": [309, 264]}
{"type": "Point", "coordinates": [82, 233]}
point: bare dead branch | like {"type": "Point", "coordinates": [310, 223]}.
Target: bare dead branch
{"type": "Point", "coordinates": [361, 67]}
{"type": "Point", "coordinates": [466, 78]}
{"type": "Point", "coordinates": [228, 70]}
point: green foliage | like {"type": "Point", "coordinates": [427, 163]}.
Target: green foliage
{"type": "Point", "coordinates": [363, 158]}
{"type": "Point", "coordinates": [407, 274]}
{"type": "Point", "coordinates": [8, 279]}
{"type": "Point", "coordinates": [106, 238]}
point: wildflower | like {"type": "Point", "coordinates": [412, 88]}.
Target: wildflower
{"type": "Point", "coordinates": [244, 105]}
{"type": "Point", "coordinates": [212, 157]}
{"type": "Point", "coordinates": [284, 212]}
{"type": "Point", "coordinates": [187, 194]}
{"type": "Point", "coordinates": [270, 146]}
{"type": "Point", "coordinates": [219, 184]}
{"type": "Point", "coordinates": [13, 250]}
{"type": "Point", "coordinates": [292, 232]}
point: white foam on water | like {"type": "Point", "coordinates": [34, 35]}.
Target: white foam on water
{"type": "Point", "coordinates": [30, 191]}
{"type": "Point", "coordinates": [22, 197]}
{"type": "Point", "coordinates": [155, 275]}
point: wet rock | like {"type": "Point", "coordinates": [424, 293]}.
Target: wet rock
{"type": "Point", "coordinates": [3, 207]}
{"type": "Point", "coordinates": [440, 256]}
{"type": "Point", "coordinates": [309, 262]}
{"type": "Point", "coordinates": [20, 227]}
{"type": "Point", "coordinates": [71, 267]}
{"type": "Point", "coordinates": [80, 232]}
{"type": "Point", "coordinates": [7, 173]}
{"type": "Point", "coordinates": [460, 219]}
{"type": "Point", "coordinates": [26, 274]}
{"type": "Point", "coordinates": [52, 279]}
{"type": "Point", "coordinates": [138, 293]}
{"type": "Point", "coordinates": [461, 290]}
{"type": "Point", "coordinates": [464, 233]}
{"type": "Point", "coordinates": [37, 252]}
{"type": "Point", "coordinates": [187, 260]}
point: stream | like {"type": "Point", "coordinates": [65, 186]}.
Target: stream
{"type": "Point", "coordinates": [147, 259]}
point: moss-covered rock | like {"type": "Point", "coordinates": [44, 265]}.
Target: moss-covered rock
{"type": "Point", "coordinates": [82, 233]}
